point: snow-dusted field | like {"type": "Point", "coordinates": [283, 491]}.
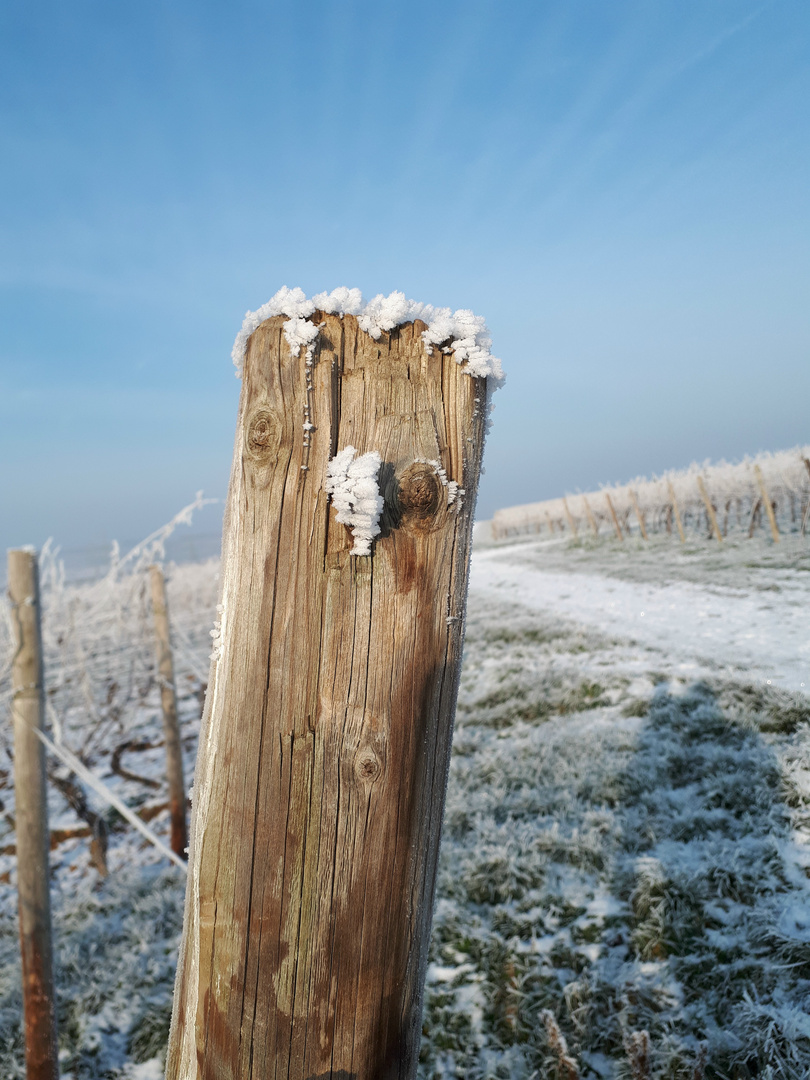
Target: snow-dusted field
{"type": "Point", "coordinates": [626, 835]}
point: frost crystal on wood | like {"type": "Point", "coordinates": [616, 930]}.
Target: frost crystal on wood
{"type": "Point", "coordinates": [352, 483]}
{"type": "Point", "coordinates": [460, 333]}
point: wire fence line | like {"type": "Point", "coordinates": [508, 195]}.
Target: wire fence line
{"type": "Point", "coordinates": [101, 678]}
{"type": "Point", "coordinates": [769, 490]}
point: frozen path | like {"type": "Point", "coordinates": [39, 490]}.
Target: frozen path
{"type": "Point", "coordinates": [756, 635]}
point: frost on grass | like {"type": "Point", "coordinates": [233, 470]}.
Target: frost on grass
{"type": "Point", "coordinates": [352, 483]}
{"type": "Point", "coordinates": [461, 332]}
{"type": "Point", "coordinates": [638, 878]}
{"type": "Point", "coordinates": [624, 871]}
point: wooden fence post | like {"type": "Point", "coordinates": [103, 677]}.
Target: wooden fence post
{"type": "Point", "coordinates": [33, 836]}
{"type": "Point", "coordinates": [676, 511]}
{"type": "Point", "coordinates": [572, 525]}
{"type": "Point", "coordinates": [641, 523]}
{"type": "Point", "coordinates": [591, 518]}
{"type": "Point", "coordinates": [171, 724]}
{"type": "Point", "coordinates": [767, 503]}
{"type": "Point", "coordinates": [319, 790]}
{"type": "Point", "coordinates": [616, 524]}
{"type": "Point", "coordinates": [707, 502]}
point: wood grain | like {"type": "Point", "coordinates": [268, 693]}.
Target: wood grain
{"type": "Point", "coordinates": [323, 760]}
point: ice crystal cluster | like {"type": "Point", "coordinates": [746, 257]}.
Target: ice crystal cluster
{"type": "Point", "coordinates": [461, 333]}
{"type": "Point", "coordinates": [352, 483]}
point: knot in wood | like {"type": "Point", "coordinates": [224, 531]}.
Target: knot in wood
{"type": "Point", "coordinates": [367, 765]}
{"type": "Point", "coordinates": [420, 495]}
{"type": "Point", "coordinates": [263, 436]}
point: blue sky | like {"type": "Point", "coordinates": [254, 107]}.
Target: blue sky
{"type": "Point", "coordinates": [620, 188]}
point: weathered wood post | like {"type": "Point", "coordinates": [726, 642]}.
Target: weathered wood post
{"type": "Point", "coordinates": [676, 511]}
{"type": "Point", "coordinates": [168, 704]}
{"type": "Point", "coordinates": [766, 500]}
{"type": "Point", "coordinates": [639, 515]}
{"type": "Point", "coordinates": [707, 502]}
{"type": "Point", "coordinates": [320, 783]}
{"type": "Point", "coordinates": [616, 525]}
{"type": "Point", "coordinates": [591, 518]}
{"type": "Point", "coordinates": [31, 814]}
{"type": "Point", "coordinates": [569, 517]}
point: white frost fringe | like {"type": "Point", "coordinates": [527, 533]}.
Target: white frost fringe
{"type": "Point", "coordinates": [467, 334]}
{"type": "Point", "coordinates": [352, 483]}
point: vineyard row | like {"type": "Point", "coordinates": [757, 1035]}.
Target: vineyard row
{"type": "Point", "coordinates": [770, 491]}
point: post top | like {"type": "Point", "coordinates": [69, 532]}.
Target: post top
{"type": "Point", "coordinates": [459, 332]}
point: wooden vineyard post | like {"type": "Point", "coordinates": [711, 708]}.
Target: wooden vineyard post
{"type": "Point", "coordinates": [755, 513]}
{"type": "Point", "coordinates": [33, 836]}
{"type": "Point", "coordinates": [550, 523]}
{"type": "Point", "coordinates": [616, 524]}
{"type": "Point", "coordinates": [767, 503]}
{"type": "Point", "coordinates": [640, 517]}
{"type": "Point", "coordinates": [572, 525]}
{"type": "Point", "coordinates": [168, 704]}
{"type": "Point", "coordinates": [676, 511]}
{"type": "Point", "coordinates": [707, 502]}
{"type": "Point", "coordinates": [589, 515]}
{"type": "Point", "coordinates": [324, 750]}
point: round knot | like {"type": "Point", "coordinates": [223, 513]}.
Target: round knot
{"type": "Point", "coordinates": [367, 765]}
{"type": "Point", "coordinates": [420, 494]}
{"type": "Point", "coordinates": [263, 435]}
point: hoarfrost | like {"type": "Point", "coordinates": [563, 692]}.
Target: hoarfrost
{"type": "Point", "coordinates": [290, 302]}
{"type": "Point", "coordinates": [300, 332]}
{"type": "Point", "coordinates": [453, 490]}
{"type": "Point", "coordinates": [352, 483]}
{"type": "Point", "coordinates": [340, 301]}
{"type": "Point", "coordinates": [461, 332]}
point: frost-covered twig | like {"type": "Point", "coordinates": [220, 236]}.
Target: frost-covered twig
{"type": "Point", "coordinates": [569, 1068]}
{"type": "Point", "coordinates": [637, 1048]}
{"type": "Point", "coordinates": [152, 549]}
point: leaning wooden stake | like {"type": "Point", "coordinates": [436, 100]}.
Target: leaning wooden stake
{"type": "Point", "coordinates": [572, 525]}
{"type": "Point", "coordinates": [707, 502]}
{"type": "Point", "coordinates": [591, 518]}
{"type": "Point", "coordinates": [171, 724]}
{"type": "Point", "coordinates": [616, 524]}
{"type": "Point", "coordinates": [767, 503]}
{"type": "Point", "coordinates": [676, 511]}
{"type": "Point", "coordinates": [320, 783]}
{"type": "Point", "coordinates": [33, 837]}
{"type": "Point", "coordinates": [639, 516]}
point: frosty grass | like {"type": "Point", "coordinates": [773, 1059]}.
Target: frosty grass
{"type": "Point", "coordinates": [626, 832]}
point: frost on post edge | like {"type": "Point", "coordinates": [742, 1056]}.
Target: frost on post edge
{"type": "Point", "coordinates": [352, 483]}
{"type": "Point", "coordinates": [461, 333]}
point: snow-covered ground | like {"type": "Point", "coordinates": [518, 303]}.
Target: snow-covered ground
{"type": "Point", "coordinates": [735, 612]}
{"type": "Point", "coordinates": [627, 831]}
